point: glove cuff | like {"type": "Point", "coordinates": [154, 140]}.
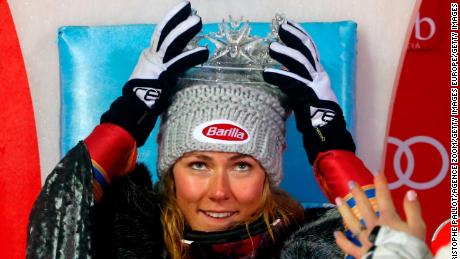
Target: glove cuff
{"type": "Point", "coordinates": [332, 136]}
{"type": "Point", "coordinates": [132, 114]}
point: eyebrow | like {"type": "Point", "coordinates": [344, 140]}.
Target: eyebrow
{"type": "Point", "coordinates": [238, 156]}
{"type": "Point", "coordinates": [200, 156]}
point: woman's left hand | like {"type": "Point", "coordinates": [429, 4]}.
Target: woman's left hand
{"type": "Point", "coordinates": [306, 83]}
{"type": "Point", "coordinates": [386, 231]}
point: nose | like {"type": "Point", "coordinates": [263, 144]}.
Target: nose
{"type": "Point", "coordinates": [219, 189]}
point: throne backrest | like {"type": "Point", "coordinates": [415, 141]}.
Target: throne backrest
{"type": "Point", "coordinates": [95, 62]}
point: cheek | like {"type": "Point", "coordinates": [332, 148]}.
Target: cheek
{"type": "Point", "coordinates": [187, 196]}
{"type": "Point", "coordinates": [250, 192]}
{"type": "Point", "coordinates": [188, 189]}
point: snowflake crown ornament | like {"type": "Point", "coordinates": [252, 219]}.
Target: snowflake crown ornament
{"type": "Point", "coordinates": [237, 55]}
{"type": "Point", "coordinates": [236, 47]}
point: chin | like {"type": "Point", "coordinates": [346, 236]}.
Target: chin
{"type": "Point", "coordinates": [213, 227]}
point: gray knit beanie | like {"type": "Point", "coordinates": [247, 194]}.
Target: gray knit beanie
{"type": "Point", "coordinates": [225, 117]}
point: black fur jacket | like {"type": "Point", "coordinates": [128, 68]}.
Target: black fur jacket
{"type": "Point", "coordinates": [65, 222]}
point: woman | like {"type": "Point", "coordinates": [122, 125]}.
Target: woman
{"type": "Point", "coordinates": [219, 162]}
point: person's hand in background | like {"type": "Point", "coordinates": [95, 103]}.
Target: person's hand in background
{"type": "Point", "coordinates": [383, 234]}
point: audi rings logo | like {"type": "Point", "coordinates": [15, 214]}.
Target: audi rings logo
{"type": "Point", "coordinates": [404, 177]}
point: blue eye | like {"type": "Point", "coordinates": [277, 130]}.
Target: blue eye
{"type": "Point", "coordinates": [242, 166]}
{"type": "Point", "coordinates": [198, 165]}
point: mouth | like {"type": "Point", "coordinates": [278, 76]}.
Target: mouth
{"type": "Point", "coordinates": [219, 215]}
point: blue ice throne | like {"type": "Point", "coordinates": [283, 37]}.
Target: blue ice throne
{"type": "Point", "coordinates": [96, 61]}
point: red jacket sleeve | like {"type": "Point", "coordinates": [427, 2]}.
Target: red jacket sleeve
{"type": "Point", "coordinates": [336, 168]}
{"type": "Point", "coordinates": [113, 153]}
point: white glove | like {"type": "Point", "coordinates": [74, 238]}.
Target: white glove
{"type": "Point", "coordinates": [300, 56]}
{"type": "Point", "coordinates": [164, 57]}
{"type": "Point", "coordinates": [146, 95]}
{"type": "Point", "coordinates": [318, 115]}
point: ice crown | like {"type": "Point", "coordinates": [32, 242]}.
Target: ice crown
{"type": "Point", "coordinates": [236, 55]}
{"type": "Point", "coordinates": [234, 46]}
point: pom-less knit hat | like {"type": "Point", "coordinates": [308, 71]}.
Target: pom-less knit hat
{"type": "Point", "coordinates": [224, 117]}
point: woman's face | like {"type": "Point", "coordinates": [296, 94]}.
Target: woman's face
{"type": "Point", "coordinates": [215, 190]}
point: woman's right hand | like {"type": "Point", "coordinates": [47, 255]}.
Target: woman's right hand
{"type": "Point", "coordinates": [165, 59]}
{"type": "Point", "coordinates": [146, 93]}
{"type": "Point", "coordinates": [127, 124]}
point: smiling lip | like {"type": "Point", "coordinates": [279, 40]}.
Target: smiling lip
{"type": "Point", "coordinates": [219, 215]}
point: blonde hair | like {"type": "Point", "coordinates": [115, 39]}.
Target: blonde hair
{"type": "Point", "coordinates": [276, 204]}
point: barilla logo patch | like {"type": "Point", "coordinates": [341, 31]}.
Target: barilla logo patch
{"type": "Point", "coordinates": [221, 131]}
{"type": "Point", "coordinates": [225, 132]}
